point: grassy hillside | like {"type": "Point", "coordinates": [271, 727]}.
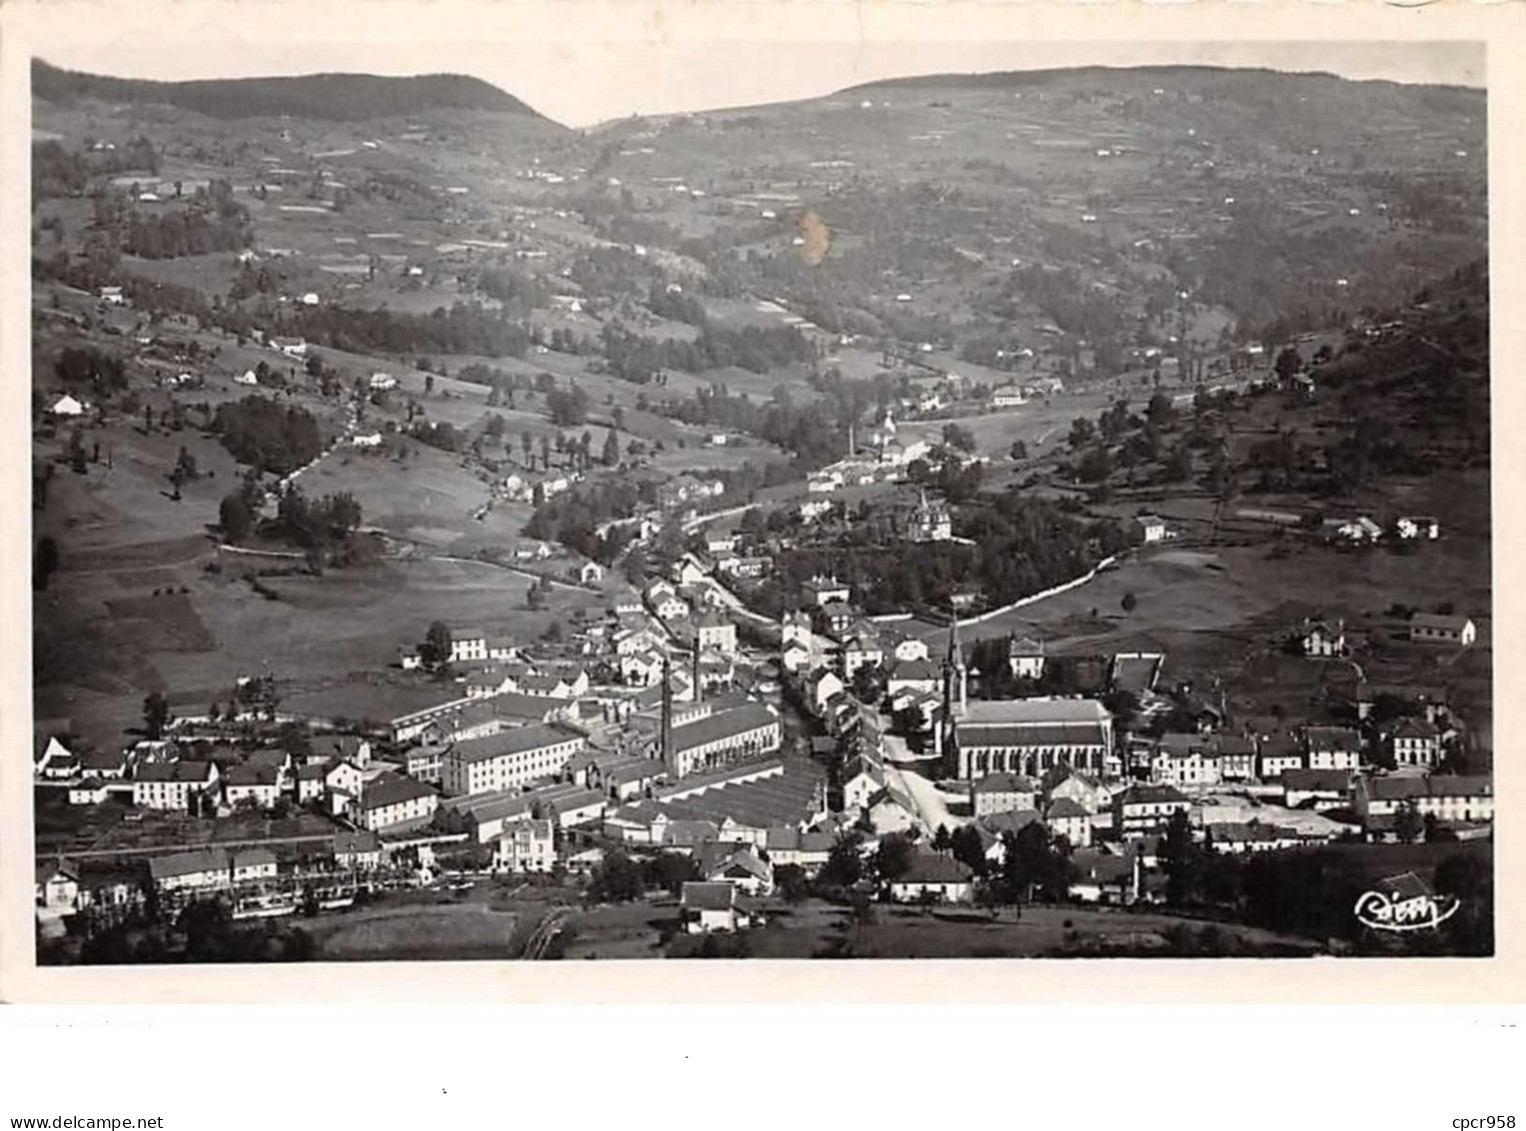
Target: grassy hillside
{"type": "Point", "coordinates": [326, 97]}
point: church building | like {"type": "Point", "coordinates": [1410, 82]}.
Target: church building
{"type": "Point", "coordinates": [1016, 736]}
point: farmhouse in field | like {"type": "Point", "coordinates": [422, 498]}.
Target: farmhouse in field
{"type": "Point", "coordinates": [1434, 628]}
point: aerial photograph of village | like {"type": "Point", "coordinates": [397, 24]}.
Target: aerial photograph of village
{"type": "Point", "coordinates": [1016, 514]}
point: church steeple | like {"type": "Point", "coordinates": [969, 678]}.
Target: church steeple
{"type": "Point", "coordinates": [945, 735]}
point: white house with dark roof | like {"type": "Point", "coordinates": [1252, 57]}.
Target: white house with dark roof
{"type": "Point", "coordinates": [202, 869]}
{"type": "Point", "coordinates": [468, 645]}
{"type": "Point", "coordinates": [172, 785]}
{"type": "Point", "coordinates": [1415, 742]}
{"type": "Point", "coordinates": [1068, 819]}
{"type": "Point", "coordinates": [250, 865]}
{"type": "Point", "coordinates": [1434, 628]}
{"type": "Point", "coordinates": [934, 876]}
{"type": "Point", "coordinates": [1142, 809]}
{"type": "Point", "coordinates": [1001, 793]}
{"type": "Point", "coordinates": [715, 632]}
{"type": "Point", "coordinates": [1332, 748]}
{"type": "Point", "coordinates": [527, 845]}
{"type": "Point", "coordinates": [252, 785]}
{"type": "Point", "coordinates": [707, 907]}
{"type": "Point", "coordinates": [392, 801]}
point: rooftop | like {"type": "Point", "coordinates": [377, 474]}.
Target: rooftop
{"type": "Point", "coordinates": [392, 790]}
{"type": "Point", "coordinates": [515, 740]}
{"type": "Point", "coordinates": [723, 725]}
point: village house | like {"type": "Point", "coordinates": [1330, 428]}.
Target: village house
{"type": "Point", "coordinates": [715, 633]}
{"type": "Point", "coordinates": [919, 676]}
{"type": "Point", "coordinates": [1236, 755]}
{"type": "Point", "coordinates": [343, 779]}
{"type": "Point", "coordinates": [67, 406]}
{"type": "Point", "coordinates": [836, 618]}
{"type": "Point", "coordinates": [527, 845]}
{"type": "Point", "coordinates": [1415, 742]}
{"type": "Point", "coordinates": [107, 765]}
{"type": "Point", "coordinates": [392, 801]}
{"type": "Point", "coordinates": [1142, 809]}
{"type": "Point", "coordinates": [1332, 748]}
{"type": "Point", "coordinates": [934, 877]}
{"type": "Point", "coordinates": [201, 869]}
{"type": "Point", "coordinates": [741, 866]}
{"type": "Point", "coordinates": [90, 791]}
{"type": "Point", "coordinates": [1067, 818]}
{"type": "Point", "coordinates": [252, 786]}
{"type": "Point", "coordinates": [808, 851]}
{"type": "Point", "coordinates": [1322, 638]}
{"type": "Point", "coordinates": [1244, 837]}
{"type": "Point", "coordinates": [357, 852]}
{"type": "Point", "coordinates": [1104, 877]}
{"type": "Point", "coordinates": [707, 907]}
{"type": "Point", "coordinates": [796, 657]}
{"type": "Point", "coordinates": [57, 886]}
{"type": "Point", "coordinates": [1008, 396]}
{"type": "Point", "coordinates": [172, 786]}
{"type": "Point", "coordinates": [665, 602]}
{"type": "Point", "coordinates": [819, 592]}
{"type": "Point", "coordinates": [1025, 656]}
{"type": "Point", "coordinates": [1279, 752]}
{"type": "Point", "coordinates": [251, 865]}
{"type": "Point", "coordinates": [1089, 792]}
{"type": "Point", "coordinates": [1151, 527]}
{"type": "Point", "coordinates": [1316, 789]}
{"type": "Point", "coordinates": [1434, 628]}
{"type": "Point", "coordinates": [821, 688]}
{"type": "Point", "coordinates": [1448, 798]}
{"type": "Point", "coordinates": [1185, 761]}
{"type": "Point", "coordinates": [53, 761]}
{"type": "Point", "coordinates": [861, 649]}
{"type": "Point", "coordinates": [468, 645]}
{"type": "Point", "coordinates": [1001, 793]}
{"type": "Point", "coordinates": [863, 778]}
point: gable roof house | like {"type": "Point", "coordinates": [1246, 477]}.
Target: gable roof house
{"type": "Point", "coordinates": [933, 876]}
{"type": "Point", "coordinates": [707, 907]}
{"type": "Point", "coordinates": [396, 802]}
{"type": "Point", "coordinates": [1434, 628]}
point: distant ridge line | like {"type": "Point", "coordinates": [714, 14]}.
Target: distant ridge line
{"type": "Point", "coordinates": [325, 97]}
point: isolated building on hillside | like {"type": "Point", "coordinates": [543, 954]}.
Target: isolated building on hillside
{"type": "Point", "coordinates": [1323, 638]}
{"type": "Point", "coordinates": [1433, 628]}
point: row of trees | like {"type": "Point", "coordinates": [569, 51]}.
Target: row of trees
{"type": "Point", "coordinates": [633, 357]}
